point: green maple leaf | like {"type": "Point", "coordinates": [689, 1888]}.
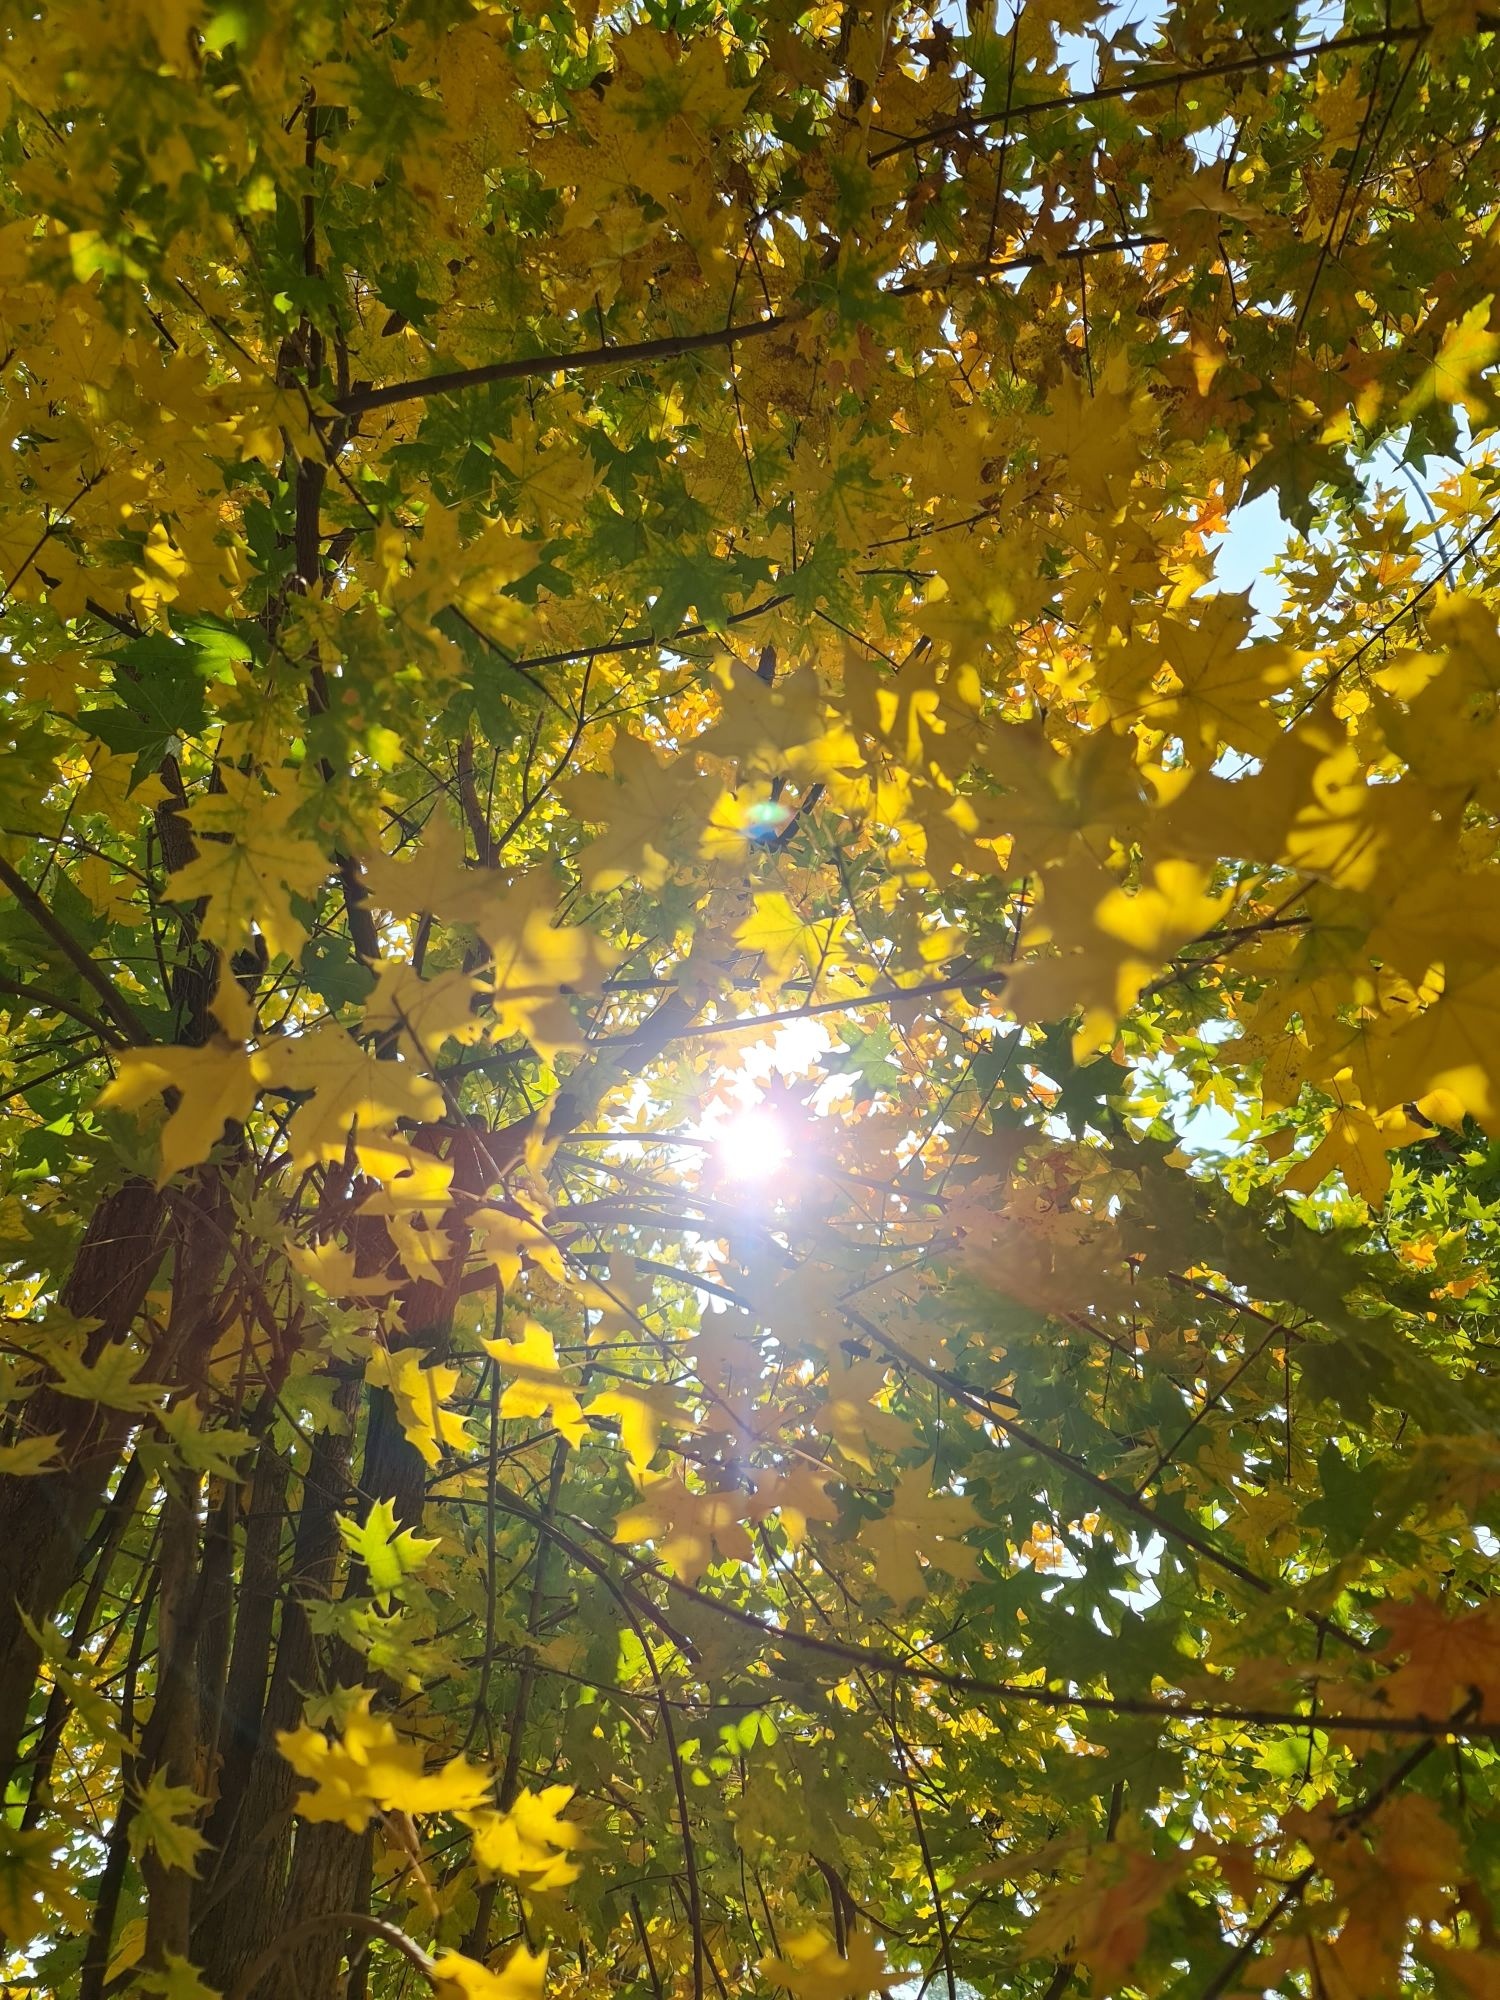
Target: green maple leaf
{"type": "Point", "coordinates": [388, 1551]}
{"type": "Point", "coordinates": [164, 1821]}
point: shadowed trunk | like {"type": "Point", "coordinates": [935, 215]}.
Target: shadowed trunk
{"type": "Point", "coordinates": [45, 1520]}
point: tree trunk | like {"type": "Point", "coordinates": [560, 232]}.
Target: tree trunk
{"type": "Point", "coordinates": [175, 1716]}
{"type": "Point", "coordinates": [44, 1520]}
{"type": "Point", "coordinates": [330, 1865]}
{"type": "Point", "coordinates": [239, 1903]}
{"type": "Point", "coordinates": [250, 1657]}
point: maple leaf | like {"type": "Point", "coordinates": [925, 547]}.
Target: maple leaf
{"type": "Point", "coordinates": [1220, 687]}
{"type": "Point", "coordinates": [1103, 1918]}
{"type": "Point", "coordinates": [1443, 1658]}
{"type": "Point", "coordinates": [507, 1239]}
{"type": "Point", "coordinates": [534, 961]}
{"type": "Point", "coordinates": [188, 1440]}
{"type": "Point", "coordinates": [349, 1090]}
{"type": "Point", "coordinates": [109, 1379]}
{"type": "Point", "coordinates": [1095, 435]}
{"type": "Point", "coordinates": [368, 1768]}
{"type": "Point", "coordinates": [216, 1085]}
{"type": "Point", "coordinates": [1358, 1145]}
{"type": "Point", "coordinates": [1113, 941]}
{"type": "Point", "coordinates": [432, 878]}
{"type": "Point", "coordinates": [920, 1526]}
{"type": "Point", "coordinates": [388, 1552]}
{"type": "Point", "coordinates": [1467, 351]}
{"type": "Point", "coordinates": [784, 937]}
{"type": "Point", "coordinates": [521, 1977]}
{"type": "Point", "coordinates": [638, 802]}
{"type": "Point", "coordinates": [30, 1456]}
{"type": "Point", "coordinates": [1447, 1051]}
{"type": "Point", "coordinates": [530, 1843]}
{"type": "Point", "coordinates": [686, 1527]}
{"type": "Point", "coordinates": [851, 1418]}
{"type": "Point", "coordinates": [799, 1493]}
{"type": "Point", "coordinates": [249, 866]}
{"type": "Point", "coordinates": [639, 1418]}
{"type": "Point", "coordinates": [533, 1385]}
{"type": "Point", "coordinates": [421, 1396]}
{"type": "Point", "coordinates": [812, 1967]}
{"type": "Point", "coordinates": [1056, 798]}
{"type": "Point", "coordinates": [176, 1978]}
{"type": "Point", "coordinates": [781, 729]}
{"type": "Point", "coordinates": [35, 1886]}
{"type": "Point", "coordinates": [406, 422]}
{"type": "Point", "coordinates": [165, 1822]}
{"type": "Point", "coordinates": [427, 1012]}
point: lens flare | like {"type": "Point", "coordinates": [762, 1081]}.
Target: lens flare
{"type": "Point", "coordinates": [753, 1146]}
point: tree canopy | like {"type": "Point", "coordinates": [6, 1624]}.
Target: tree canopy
{"type": "Point", "coordinates": [751, 1159]}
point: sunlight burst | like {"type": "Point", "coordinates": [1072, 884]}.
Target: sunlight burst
{"type": "Point", "coordinates": [753, 1145]}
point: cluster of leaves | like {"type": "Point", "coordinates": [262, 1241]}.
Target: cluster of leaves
{"type": "Point", "coordinates": [560, 570]}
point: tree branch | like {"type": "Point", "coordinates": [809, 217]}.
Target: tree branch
{"type": "Point", "coordinates": [116, 1006]}
{"type": "Point", "coordinates": [527, 366]}
{"type": "Point", "coordinates": [1246, 65]}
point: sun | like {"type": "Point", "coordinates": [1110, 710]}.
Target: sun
{"type": "Point", "coordinates": [753, 1145]}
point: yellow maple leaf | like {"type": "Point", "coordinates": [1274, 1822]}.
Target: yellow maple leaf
{"type": "Point", "coordinates": [333, 1270]}
{"type": "Point", "coordinates": [1057, 795]}
{"type": "Point", "coordinates": [1219, 686]}
{"type": "Point", "coordinates": [216, 1085]}
{"type": "Point", "coordinates": [421, 1396]}
{"type": "Point", "coordinates": [535, 962]}
{"type": "Point", "coordinates": [783, 937]}
{"type": "Point", "coordinates": [350, 1090]}
{"type": "Point", "coordinates": [533, 1385]}
{"type": "Point", "coordinates": [36, 1888]}
{"type": "Point", "coordinates": [424, 1012]}
{"type": "Point", "coordinates": [741, 824]}
{"type": "Point", "coordinates": [432, 878]}
{"type": "Point", "coordinates": [687, 1527]}
{"type": "Point", "coordinates": [638, 800]}
{"type": "Point", "coordinates": [248, 866]}
{"type": "Point", "coordinates": [522, 1977]}
{"type": "Point", "coordinates": [639, 1419]}
{"type": "Point", "coordinates": [850, 1416]}
{"type": "Point", "coordinates": [1112, 940]}
{"type": "Point", "coordinates": [779, 730]}
{"type": "Point", "coordinates": [508, 1240]}
{"type": "Point", "coordinates": [530, 1843]}
{"type": "Point", "coordinates": [1357, 1144]}
{"type": "Point", "coordinates": [368, 1768]}
{"type": "Point", "coordinates": [160, 566]}
{"type": "Point", "coordinates": [811, 1967]}
{"type": "Point", "coordinates": [799, 1493]}
{"type": "Point", "coordinates": [412, 1201]}
{"type": "Point", "coordinates": [30, 1456]}
{"type": "Point", "coordinates": [1468, 349]}
{"type": "Point", "coordinates": [1449, 1050]}
{"type": "Point", "coordinates": [165, 1821]}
